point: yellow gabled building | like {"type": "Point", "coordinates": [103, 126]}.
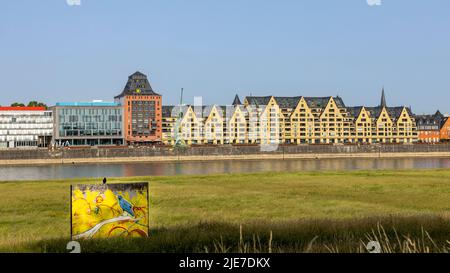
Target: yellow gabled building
{"type": "Point", "coordinates": [213, 125]}
{"type": "Point", "coordinates": [297, 120]}
{"type": "Point", "coordinates": [169, 120]}
{"type": "Point", "coordinates": [405, 129]}
{"type": "Point", "coordinates": [289, 124]}
{"type": "Point", "coordinates": [186, 126]}
{"type": "Point", "coordinates": [331, 119]}
{"type": "Point", "coordinates": [361, 125]}
{"type": "Point", "coordinates": [270, 119]}
{"type": "Point", "coordinates": [235, 124]}
{"type": "Point", "coordinates": [382, 125]}
{"type": "Point", "coordinates": [392, 124]}
{"type": "Point", "coordinates": [302, 126]}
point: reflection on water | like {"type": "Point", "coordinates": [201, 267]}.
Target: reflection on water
{"type": "Point", "coordinates": [232, 166]}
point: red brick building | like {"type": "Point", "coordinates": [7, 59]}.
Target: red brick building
{"type": "Point", "coordinates": [142, 111]}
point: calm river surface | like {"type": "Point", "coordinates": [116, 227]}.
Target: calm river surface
{"type": "Point", "coordinates": [43, 172]}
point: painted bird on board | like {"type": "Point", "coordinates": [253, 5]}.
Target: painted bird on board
{"type": "Point", "coordinates": [125, 205]}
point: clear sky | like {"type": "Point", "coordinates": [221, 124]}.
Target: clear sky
{"type": "Point", "coordinates": [51, 51]}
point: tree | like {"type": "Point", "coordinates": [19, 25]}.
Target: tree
{"type": "Point", "coordinates": [17, 104]}
{"type": "Point", "coordinates": [36, 104]}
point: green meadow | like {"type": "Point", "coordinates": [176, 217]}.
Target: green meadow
{"type": "Point", "coordinates": [408, 211]}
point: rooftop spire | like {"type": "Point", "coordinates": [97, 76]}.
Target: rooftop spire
{"type": "Point", "coordinates": [236, 100]}
{"type": "Point", "coordinates": [383, 99]}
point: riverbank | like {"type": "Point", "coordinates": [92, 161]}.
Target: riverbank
{"type": "Point", "coordinates": [189, 158]}
{"type": "Point", "coordinates": [339, 207]}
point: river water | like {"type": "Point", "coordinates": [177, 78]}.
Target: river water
{"type": "Point", "coordinates": [59, 171]}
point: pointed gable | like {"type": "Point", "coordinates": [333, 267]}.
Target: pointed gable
{"type": "Point", "coordinates": [236, 100]}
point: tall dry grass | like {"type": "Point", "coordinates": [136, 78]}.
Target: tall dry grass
{"type": "Point", "coordinates": [415, 234]}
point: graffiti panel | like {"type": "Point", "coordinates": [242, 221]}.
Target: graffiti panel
{"type": "Point", "coordinates": [109, 210]}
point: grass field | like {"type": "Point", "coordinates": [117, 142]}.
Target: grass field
{"type": "Point", "coordinates": [264, 212]}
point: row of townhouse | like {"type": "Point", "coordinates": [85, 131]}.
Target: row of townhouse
{"type": "Point", "coordinates": [289, 120]}
{"type": "Point", "coordinates": [433, 128]}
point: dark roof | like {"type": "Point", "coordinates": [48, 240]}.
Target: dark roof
{"type": "Point", "coordinates": [435, 119]}
{"type": "Point", "coordinates": [203, 111]}
{"type": "Point", "coordinates": [394, 112]}
{"type": "Point", "coordinates": [444, 121]}
{"type": "Point", "coordinates": [374, 111]}
{"type": "Point", "coordinates": [258, 100]}
{"type": "Point", "coordinates": [354, 111]}
{"type": "Point", "coordinates": [136, 85]}
{"type": "Point", "coordinates": [292, 102]}
{"type": "Point", "coordinates": [173, 110]}
{"type": "Point", "coordinates": [428, 120]}
{"type": "Point", "coordinates": [167, 111]}
{"type": "Point", "coordinates": [236, 100]}
{"type": "Point", "coordinates": [288, 102]}
{"type": "Point", "coordinates": [227, 111]}
{"type": "Point", "coordinates": [321, 102]}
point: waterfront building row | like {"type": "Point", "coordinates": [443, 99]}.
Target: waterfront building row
{"type": "Point", "coordinates": [138, 117]}
{"type": "Point", "coordinates": [288, 120]}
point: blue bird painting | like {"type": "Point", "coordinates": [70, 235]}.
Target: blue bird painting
{"type": "Point", "coordinates": [125, 205]}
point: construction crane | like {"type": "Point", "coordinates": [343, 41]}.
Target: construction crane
{"type": "Point", "coordinates": [179, 141]}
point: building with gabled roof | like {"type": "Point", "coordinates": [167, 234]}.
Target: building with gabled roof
{"type": "Point", "coordinates": [305, 120]}
{"type": "Point", "coordinates": [429, 127]}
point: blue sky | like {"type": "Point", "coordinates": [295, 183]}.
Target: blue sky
{"type": "Point", "coordinates": [50, 51]}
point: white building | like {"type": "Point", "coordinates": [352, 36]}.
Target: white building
{"type": "Point", "coordinates": [25, 127]}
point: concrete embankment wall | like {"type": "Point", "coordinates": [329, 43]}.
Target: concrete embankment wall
{"type": "Point", "coordinates": [148, 154]}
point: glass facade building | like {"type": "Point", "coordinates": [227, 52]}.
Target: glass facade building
{"type": "Point", "coordinates": [88, 124]}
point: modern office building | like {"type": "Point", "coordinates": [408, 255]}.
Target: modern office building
{"type": "Point", "coordinates": [142, 111]}
{"type": "Point", "coordinates": [25, 127]}
{"type": "Point", "coordinates": [88, 124]}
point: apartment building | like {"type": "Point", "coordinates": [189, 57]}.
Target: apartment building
{"type": "Point", "coordinates": [293, 120]}
{"type": "Point", "coordinates": [429, 127]}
